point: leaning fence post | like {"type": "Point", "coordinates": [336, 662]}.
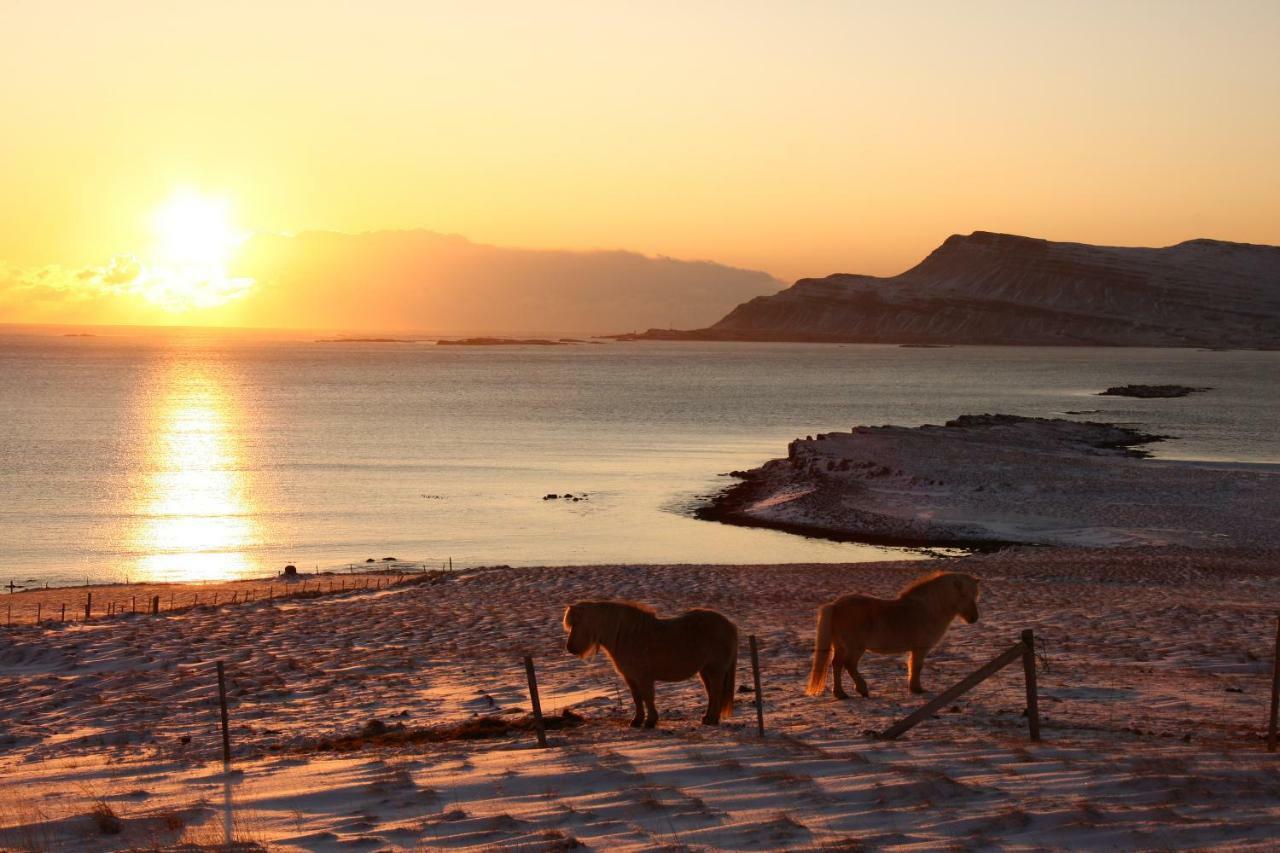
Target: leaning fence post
{"type": "Point", "coordinates": [1029, 669]}
{"type": "Point", "coordinates": [222, 705]}
{"type": "Point", "coordinates": [755, 675]}
{"type": "Point", "coordinates": [956, 690]}
{"type": "Point", "coordinates": [537, 704]}
{"type": "Point", "coordinates": [1275, 692]}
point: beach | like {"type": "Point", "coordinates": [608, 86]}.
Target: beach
{"type": "Point", "coordinates": [1154, 674]}
{"type": "Point", "coordinates": [990, 480]}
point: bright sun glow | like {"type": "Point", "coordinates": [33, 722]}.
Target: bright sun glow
{"type": "Point", "coordinates": [195, 240]}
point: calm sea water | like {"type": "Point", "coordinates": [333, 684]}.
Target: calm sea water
{"type": "Point", "coordinates": [197, 455]}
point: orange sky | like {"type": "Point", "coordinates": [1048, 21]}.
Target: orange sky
{"type": "Point", "coordinates": [795, 138]}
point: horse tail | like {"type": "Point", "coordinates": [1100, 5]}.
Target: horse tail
{"type": "Point", "coordinates": [821, 651]}
{"type": "Point", "coordinates": [727, 688]}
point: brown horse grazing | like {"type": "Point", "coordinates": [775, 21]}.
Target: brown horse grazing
{"type": "Point", "coordinates": [645, 648]}
{"type": "Point", "coordinates": [913, 622]}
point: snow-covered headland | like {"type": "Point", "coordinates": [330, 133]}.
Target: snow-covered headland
{"type": "Point", "coordinates": [992, 479]}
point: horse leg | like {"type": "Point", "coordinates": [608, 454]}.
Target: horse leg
{"type": "Point", "coordinates": [636, 696]}
{"type": "Point", "coordinates": [713, 681]}
{"type": "Point", "coordinates": [851, 664]}
{"type": "Point", "coordinates": [837, 671]}
{"type": "Point", "coordinates": [914, 667]}
{"type": "Point", "coordinates": [646, 693]}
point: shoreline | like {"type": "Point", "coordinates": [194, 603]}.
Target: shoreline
{"type": "Point", "coordinates": [985, 482]}
{"type": "Point", "coordinates": [53, 606]}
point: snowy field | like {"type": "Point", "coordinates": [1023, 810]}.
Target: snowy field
{"type": "Point", "coordinates": [1155, 677]}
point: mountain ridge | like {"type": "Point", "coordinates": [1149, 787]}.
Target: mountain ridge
{"type": "Point", "coordinates": [993, 288]}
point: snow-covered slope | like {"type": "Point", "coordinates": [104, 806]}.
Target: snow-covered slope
{"type": "Point", "coordinates": [1003, 289]}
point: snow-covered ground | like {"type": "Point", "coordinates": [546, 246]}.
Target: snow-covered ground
{"type": "Point", "coordinates": [1154, 701]}
{"type": "Point", "coordinates": [1001, 478]}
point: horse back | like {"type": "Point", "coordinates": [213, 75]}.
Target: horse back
{"type": "Point", "coordinates": [708, 625]}
{"type": "Point", "coordinates": [683, 645]}
{"type": "Point", "coordinates": [883, 624]}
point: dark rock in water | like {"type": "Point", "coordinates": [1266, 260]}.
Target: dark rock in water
{"type": "Point", "coordinates": [370, 560]}
{"type": "Point", "coordinates": [373, 728]}
{"type": "Point", "coordinates": [290, 571]}
{"type": "Point", "coordinates": [1150, 391]}
{"type": "Point", "coordinates": [551, 497]}
{"type": "Point", "coordinates": [391, 559]}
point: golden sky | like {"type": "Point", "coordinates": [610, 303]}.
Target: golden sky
{"type": "Point", "coordinates": [796, 138]}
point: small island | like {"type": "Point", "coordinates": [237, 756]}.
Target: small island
{"type": "Point", "coordinates": [504, 342]}
{"type": "Point", "coordinates": [363, 341]}
{"type": "Point", "coordinates": [1151, 391]}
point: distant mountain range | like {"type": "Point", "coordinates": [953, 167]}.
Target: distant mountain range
{"type": "Point", "coordinates": [1004, 289]}
{"type": "Point", "coordinates": [395, 281]}
{"type": "Point", "coordinates": [421, 280]}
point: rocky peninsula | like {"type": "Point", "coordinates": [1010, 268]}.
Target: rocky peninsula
{"type": "Point", "coordinates": [990, 480]}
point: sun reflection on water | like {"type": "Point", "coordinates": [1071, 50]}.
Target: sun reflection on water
{"type": "Point", "coordinates": [196, 518]}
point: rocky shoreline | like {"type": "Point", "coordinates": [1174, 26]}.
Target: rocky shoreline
{"type": "Point", "coordinates": [988, 481]}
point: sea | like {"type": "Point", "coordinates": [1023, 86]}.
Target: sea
{"type": "Point", "coordinates": [184, 455]}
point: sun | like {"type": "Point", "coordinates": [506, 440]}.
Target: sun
{"type": "Point", "coordinates": [194, 240]}
{"type": "Point", "coordinates": [192, 229]}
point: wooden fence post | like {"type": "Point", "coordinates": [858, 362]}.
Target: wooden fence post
{"type": "Point", "coordinates": [88, 604]}
{"type": "Point", "coordinates": [755, 675]}
{"type": "Point", "coordinates": [222, 704]}
{"type": "Point", "coordinates": [155, 605]}
{"type": "Point", "coordinates": [1029, 673]}
{"type": "Point", "coordinates": [1275, 692]}
{"type": "Point", "coordinates": [63, 618]}
{"type": "Point", "coordinates": [537, 704]}
{"type": "Point", "coordinates": [39, 608]}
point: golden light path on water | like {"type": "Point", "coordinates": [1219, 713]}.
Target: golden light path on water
{"type": "Point", "coordinates": [196, 516]}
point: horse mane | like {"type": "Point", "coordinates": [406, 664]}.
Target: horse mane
{"type": "Point", "coordinates": [929, 591]}
{"type": "Point", "coordinates": [917, 585]}
{"type": "Point", "coordinates": [613, 619]}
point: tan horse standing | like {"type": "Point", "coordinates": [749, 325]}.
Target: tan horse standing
{"type": "Point", "coordinates": [913, 623]}
{"type": "Point", "coordinates": [645, 648]}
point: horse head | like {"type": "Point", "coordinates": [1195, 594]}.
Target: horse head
{"type": "Point", "coordinates": [967, 597]}
{"type": "Point", "coordinates": [581, 641]}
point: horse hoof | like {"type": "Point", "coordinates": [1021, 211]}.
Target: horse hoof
{"type": "Point", "coordinates": [840, 696]}
{"type": "Point", "coordinates": [707, 721]}
{"type": "Point", "coordinates": [650, 724]}
{"type": "Point", "coordinates": [635, 724]}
